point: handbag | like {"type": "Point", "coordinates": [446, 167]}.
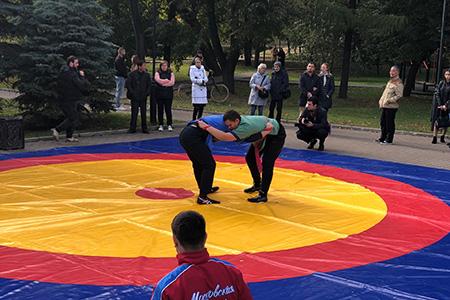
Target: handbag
{"type": "Point", "coordinates": [286, 93]}
{"type": "Point", "coordinates": [264, 93]}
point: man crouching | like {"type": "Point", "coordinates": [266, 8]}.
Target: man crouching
{"type": "Point", "coordinates": [313, 125]}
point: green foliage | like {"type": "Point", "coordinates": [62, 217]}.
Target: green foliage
{"type": "Point", "coordinates": [53, 31]}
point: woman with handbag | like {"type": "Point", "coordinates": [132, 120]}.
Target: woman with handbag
{"type": "Point", "coordinates": [279, 90]}
{"type": "Point", "coordinates": [439, 110]}
{"type": "Point", "coordinates": [259, 90]}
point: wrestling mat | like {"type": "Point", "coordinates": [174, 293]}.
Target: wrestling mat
{"type": "Point", "coordinates": [94, 223]}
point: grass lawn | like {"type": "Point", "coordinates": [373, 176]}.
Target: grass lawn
{"type": "Point", "coordinates": [360, 109]}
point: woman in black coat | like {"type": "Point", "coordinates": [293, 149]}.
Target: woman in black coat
{"type": "Point", "coordinates": [279, 85]}
{"type": "Point", "coordinates": [326, 87]}
{"type": "Point", "coordinates": [439, 110]}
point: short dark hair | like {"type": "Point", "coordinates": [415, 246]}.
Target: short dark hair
{"type": "Point", "coordinates": [139, 62]}
{"type": "Point", "coordinates": [71, 59]}
{"type": "Point", "coordinates": [314, 100]}
{"type": "Point", "coordinates": [189, 227]}
{"type": "Point", "coordinates": [311, 63]}
{"type": "Point", "coordinates": [231, 115]}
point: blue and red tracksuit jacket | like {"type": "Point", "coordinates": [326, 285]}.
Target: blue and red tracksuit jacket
{"type": "Point", "coordinates": [200, 277]}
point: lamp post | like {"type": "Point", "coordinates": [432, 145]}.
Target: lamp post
{"type": "Point", "coordinates": [441, 46]}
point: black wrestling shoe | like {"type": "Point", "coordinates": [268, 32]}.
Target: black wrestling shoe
{"type": "Point", "coordinates": [214, 189]}
{"type": "Point", "coordinates": [434, 141]}
{"type": "Point", "coordinates": [443, 139]}
{"type": "Point", "coordinates": [321, 147]}
{"type": "Point", "coordinates": [261, 198]}
{"type": "Point", "coordinates": [312, 144]}
{"type": "Point", "coordinates": [252, 189]}
{"type": "Point", "coordinates": [206, 200]}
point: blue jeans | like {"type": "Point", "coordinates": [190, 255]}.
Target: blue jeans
{"type": "Point", "coordinates": [253, 109]}
{"type": "Point", "coordinates": [120, 86]}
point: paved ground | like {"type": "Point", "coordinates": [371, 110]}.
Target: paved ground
{"type": "Point", "coordinates": [409, 149]}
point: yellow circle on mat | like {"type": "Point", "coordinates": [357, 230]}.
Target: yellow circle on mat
{"type": "Point", "coordinates": [90, 208]}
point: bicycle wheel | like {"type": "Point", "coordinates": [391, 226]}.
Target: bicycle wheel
{"type": "Point", "coordinates": [183, 92]}
{"type": "Point", "coordinates": [220, 93]}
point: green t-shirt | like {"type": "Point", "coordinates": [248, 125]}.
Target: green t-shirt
{"type": "Point", "coordinates": [250, 125]}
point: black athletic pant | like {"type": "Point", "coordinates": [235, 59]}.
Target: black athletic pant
{"type": "Point", "coordinates": [271, 151]}
{"type": "Point", "coordinates": [71, 118]}
{"type": "Point", "coordinates": [308, 134]}
{"type": "Point", "coordinates": [387, 123]}
{"type": "Point", "coordinates": [279, 105]}
{"type": "Point", "coordinates": [193, 140]}
{"type": "Point", "coordinates": [198, 111]}
{"type": "Point", "coordinates": [165, 105]}
{"type": "Point", "coordinates": [136, 106]}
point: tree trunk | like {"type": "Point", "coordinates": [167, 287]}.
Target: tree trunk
{"type": "Point", "coordinates": [170, 17]}
{"type": "Point", "coordinates": [347, 56]}
{"type": "Point", "coordinates": [138, 29]}
{"type": "Point", "coordinates": [411, 78]}
{"type": "Point", "coordinates": [248, 53]}
{"type": "Point", "coordinates": [257, 56]}
{"type": "Point", "coordinates": [345, 72]}
{"type": "Point", "coordinates": [288, 47]}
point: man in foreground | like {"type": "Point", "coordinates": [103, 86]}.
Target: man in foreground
{"type": "Point", "coordinates": [198, 276]}
{"type": "Point", "coordinates": [268, 146]}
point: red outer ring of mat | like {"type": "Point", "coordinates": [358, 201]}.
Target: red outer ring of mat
{"type": "Point", "coordinates": [413, 221]}
{"type": "Point", "coordinates": [164, 193]}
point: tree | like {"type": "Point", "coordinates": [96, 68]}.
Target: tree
{"type": "Point", "coordinates": [418, 40]}
{"type": "Point", "coordinates": [138, 28]}
{"type": "Point", "coordinates": [53, 31]}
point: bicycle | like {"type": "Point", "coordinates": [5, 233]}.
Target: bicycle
{"type": "Point", "coordinates": [217, 92]}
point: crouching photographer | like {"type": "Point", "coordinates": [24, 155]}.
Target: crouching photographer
{"type": "Point", "coordinates": [313, 125]}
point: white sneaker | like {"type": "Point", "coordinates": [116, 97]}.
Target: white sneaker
{"type": "Point", "coordinates": [161, 128]}
{"type": "Point", "coordinates": [72, 140]}
{"type": "Point", "coordinates": [55, 134]}
{"type": "Point", "coordinates": [169, 128]}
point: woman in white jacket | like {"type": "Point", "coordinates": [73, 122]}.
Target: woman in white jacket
{"type": "Point", "coordinates": [199, 79]}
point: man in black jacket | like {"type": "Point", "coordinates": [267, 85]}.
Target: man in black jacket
{"type": "Point", "coordinates": [120, 76]}
{"type": "Point", "coordinates": [72, 84]}
{"type": "Point", "coordinates": [139, 84]}
{"type": "Point", "coordinates": [313, 124]}
{"type": "Point", "coordinates": [279, 85]}
{"type": "Point", "coordinates": [309, 85]}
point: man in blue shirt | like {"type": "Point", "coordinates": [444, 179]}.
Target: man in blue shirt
{"type": "Point", "coordinates": [195, 141]}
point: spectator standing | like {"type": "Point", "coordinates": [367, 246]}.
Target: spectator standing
{"type": "Point", "coordinates": [279, 85]}
{"type": "Point", "coordinates": [139, 84]}
{"type": "Point", "coordinates": [389, 106]}
{"type": "Point", "coordinates": [134, 60]}
{"type": "Point", "coordinates": [198, 276]}
{"type": "Point", "coordinates": [309, 85]}
{"type": "Point", "coordinates": [259, 90]}
{"type": "Point", "coordinates": [199, 78]}
{"type": "Point", "coordinates": [439, 111]}
{"type": "Point", "coordinates": [165, 80]}
{"type": "Point", "coordinates": [313, 124]}
{"type": "Point", "coordinates": [72, 85]}
{"type": "Point", "coordinates": [121, 76]}
{"type": "Point", "coordinates": [326, 85]}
